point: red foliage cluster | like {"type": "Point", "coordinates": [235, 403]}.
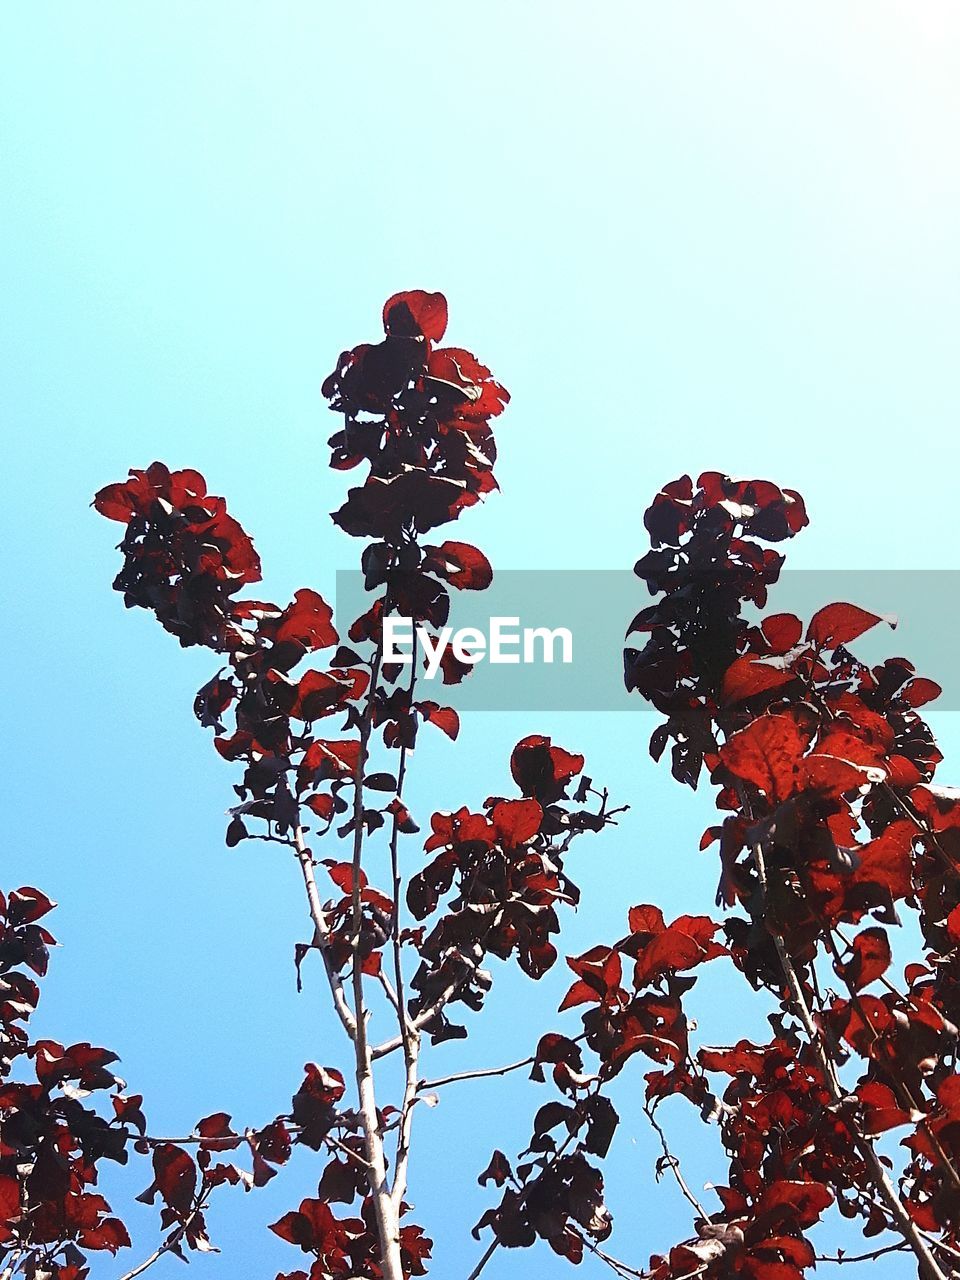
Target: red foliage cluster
{"type": "Point", "coordinates": [506, 865]}
{"type": "Point", "coordinates": [830, 829]}
{"type": "Point", "coordinates": [643, 1015]}
{"type": "Point", "coordinates": [345, 1246]}
{"type": "Point", "coordinates": [825, 771]}
{"type": "Point", "coordinates": [51, 1143]}
{"type": "Point", "coordinates": [184, 556]}
{"type": "Point", "coordinates": [418, 415]}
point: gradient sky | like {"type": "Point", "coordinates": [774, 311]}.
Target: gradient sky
{"type": "Point", "coordinates": [687, 236]}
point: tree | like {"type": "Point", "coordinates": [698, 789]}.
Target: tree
{"type": "Point", "coordinates": [824, 774]}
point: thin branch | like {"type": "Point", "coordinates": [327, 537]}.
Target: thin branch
{"type": "Point", "coordinates": [841, 1258]}
{"type": "Point", "coordinates": [674, 1164]}
{"type": "Point", "coordinates": [425, 1086]}
{"type": "Point", "coordinates": [334, 1141]}
{"type": "Point", "coordinates": [939, 1244]}
{"type": "Point", "coordinates": [425, 1015]}
{"type": "Point", "coordinates": [621, 1268]}
{"type": "Point", "coordinates": [169, 1244]}
{"type": "Point", "coordinates": [490, 1251]}
{"type": "Point", "coordinates": [322, 934]}
{"type": "Point", "coordinates": [389, 991]}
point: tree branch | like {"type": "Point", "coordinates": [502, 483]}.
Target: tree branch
{"type": "Point", "coordinates": [169, 1244]}
{"type": "Point", "coordinates": [488, 1254]}
{"type": "Point", "coordinates": [484, 1073]}
{"type": "Point", "coordinates": [409, 1036]}
{"type": "Point", "coordinates": [322, 934]}
{"type": "Point", "coordinates": [674, 1164]}
{"type": "Point", "coordinates": [388, 1225]}
{"type": "Point", "coordinates": [841, 1258]}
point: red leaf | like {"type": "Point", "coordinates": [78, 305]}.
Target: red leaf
{"type": "Point", "coordinates": [659, 949]}
{"type": "Point", "coordinates": [747, 676]}
{"type": "Point", "coordinates": [176, 1176]}
{"type": "Point", "coordinates": [341, 873]}
{"type": "Point", "coordinates": [948, 1095]}
{"type": "Point", "coordinates": [25, 905]}
{"type": "Point", "coordinates": [460, 564]}
{"type": "Point", "coordinates": [782, 631]}
{"type": "Point", "coordinates": [497, 1171]}
{"type": "Point", "coordinates": [516, 821]}
{"type": "Point", "coordinates": [416, 312]}
{"type": "Point", "coordinates": [871, 958]}
{"type": "Point", "coordinates": [767, 754]}
{"type": "Point", "coordinates": [543, 770]}
{"type": "Point", "coordinates": [109, 1233]}
{"type": "Point", "coordinates": [579, 993]}
{"type": "Point", "coordinates": [307, 621]}
{"type": "Point", "coordinates": [838, 624]}
{"type": "Point", "coordinates": [321, 693]}
{"type": "Point", "coordinates": [9, 1199]}
{"type": "Point", "coordinates": [863, 1023]}
{"type": "Point", "coordinates": [331, 758]}
{"type": "Point", "coordinates": [646, 919]}
{"type": "Point", "coordinates": [600, 972]}
{"type": "Point", "coordinates": [743, 1057]}
{"type": "Point", "coordinates": [918, 692]}
{"type": "Point", "coordinates": [807, 1200]}
{"type": "Point", "coordinates": [445, 718]}
{"type": "Point", "coordinates": [322, 805]}
{"type": "Point", "coordinates": [881, 1109]}
{"type": "Point", "coordinates": [887, 861]}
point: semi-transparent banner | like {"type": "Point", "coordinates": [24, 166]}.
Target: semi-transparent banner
{"type": "Point", "coordinates": [554, 639]}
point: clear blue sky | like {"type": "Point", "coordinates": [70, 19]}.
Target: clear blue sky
{"type": "Point", "coordinates": [687, 236]}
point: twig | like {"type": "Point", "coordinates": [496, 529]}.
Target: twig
{"type": "Point", "coordinates": [167, 1245]}
{"type": "Point", "coordinates": [674, 1164]}
{"type": "Point", "coordinates": [425, 1015]}
{"type": "Point", "coordinates": [334, 1141]}
{"type": "Point", "coordinates": [426, 1085]}
{"type": "Point", "coordinates": [621, 1268]}
{"type": "Point", "coordinates": [322, 934]}
{"type": "Point", "coordinates": [490, 1251]}
{"type": "Point", "coordinates": [841, 1258]}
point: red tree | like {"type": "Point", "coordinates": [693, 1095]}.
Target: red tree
{"type": "Point", "coordinates": [823, 771]}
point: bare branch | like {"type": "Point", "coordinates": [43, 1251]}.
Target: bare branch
{"type": "Point", "coordinates": [169, 1244]}
{"type": "Point", "coordinates": [674, 1165]}
{"type": "Point", "coordinates": [488, 1254]}
{"type": "Point", "coordinates": [322, 934]}
{"type": "Point", "coordinates": [385, 1212]}
{"type": "Point", "coordinates": [485, 1072]}
{"type": "Point", "coordinates": [840, 1258]}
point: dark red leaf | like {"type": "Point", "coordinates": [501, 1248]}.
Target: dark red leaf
{"type": "Point", "coordinates": [414, 313]}
{"type": "Point", "coordinates": [460, 564]}
{"type": "Point", "coordinates": [838, 624]}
